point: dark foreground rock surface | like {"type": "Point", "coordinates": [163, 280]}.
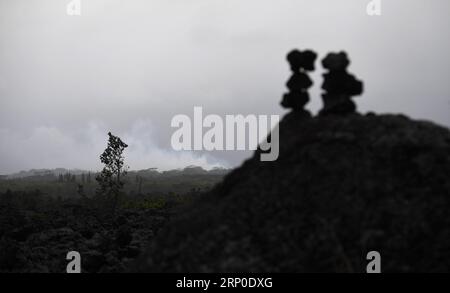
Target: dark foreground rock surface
{"type": "Point", "coordinates": [39, 242]}
{"type": "Point", "coordinates": [341, 187]}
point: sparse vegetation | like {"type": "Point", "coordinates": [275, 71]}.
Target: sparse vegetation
{"type": "Point", "coordinates": [39, 224]}
{"type": "Point", "coordinates": [109, 221]}
{"type": "Point", "coordinates": [110, 179]}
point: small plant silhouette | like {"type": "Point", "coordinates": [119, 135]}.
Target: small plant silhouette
{"type": "Point", "coordinates": [110, 178]}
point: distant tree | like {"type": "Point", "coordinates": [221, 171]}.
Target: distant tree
{"type": "Point", "coordinates": [60, 178]}
{"type": "Point", "coordinates": [80, 191]}
{"type": "Point", "coordinates": [83, 178]}
{"type": "Point", "coordinates": [88, 179]}
{"type": "Point", "coordinates": [110, 178]}
{"type": "Point", "coordinates": [140, 186]}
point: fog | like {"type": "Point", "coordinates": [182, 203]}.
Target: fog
{"type": "Point", "coordinates": [129, 66]}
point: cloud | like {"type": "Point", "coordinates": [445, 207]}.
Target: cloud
{"type": "Point", "coordinates": [123, 62]}
{"type": "Point", "coordinates": [143, 151]}
{"type": "Point", "coordinates": [51, 147]}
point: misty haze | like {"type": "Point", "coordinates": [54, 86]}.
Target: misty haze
{"type": "Point", "coordinates": [224, 136]}
{"type": "Point", "coordinates": [130, 67]}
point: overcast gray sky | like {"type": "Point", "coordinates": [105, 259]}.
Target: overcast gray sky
{"type": "Point", "coordinates": [129, 66]}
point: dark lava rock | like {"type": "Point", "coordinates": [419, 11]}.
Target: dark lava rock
{"type": "Point", "coordinates": [299, 82]}
{"type": "Point", "coordinates": [92, 261]}
{"type": "Point", "coordinates": [301, 60]}
{"type": "Point", "coordinates": [339, 85]}
{"type": "Point", "coordinates": [9, 254]}
{"type": "Point", "coordinates": [129, 252]}
{"type": "Point", "coordinates": [124, 235]}
{"type": "Point", "coordinates": [341, 187]}
{"type": "Point", "coordinates": [21, 233]}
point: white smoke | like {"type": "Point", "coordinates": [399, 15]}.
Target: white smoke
{"type": "Point", "coordinates": [50, 147]}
